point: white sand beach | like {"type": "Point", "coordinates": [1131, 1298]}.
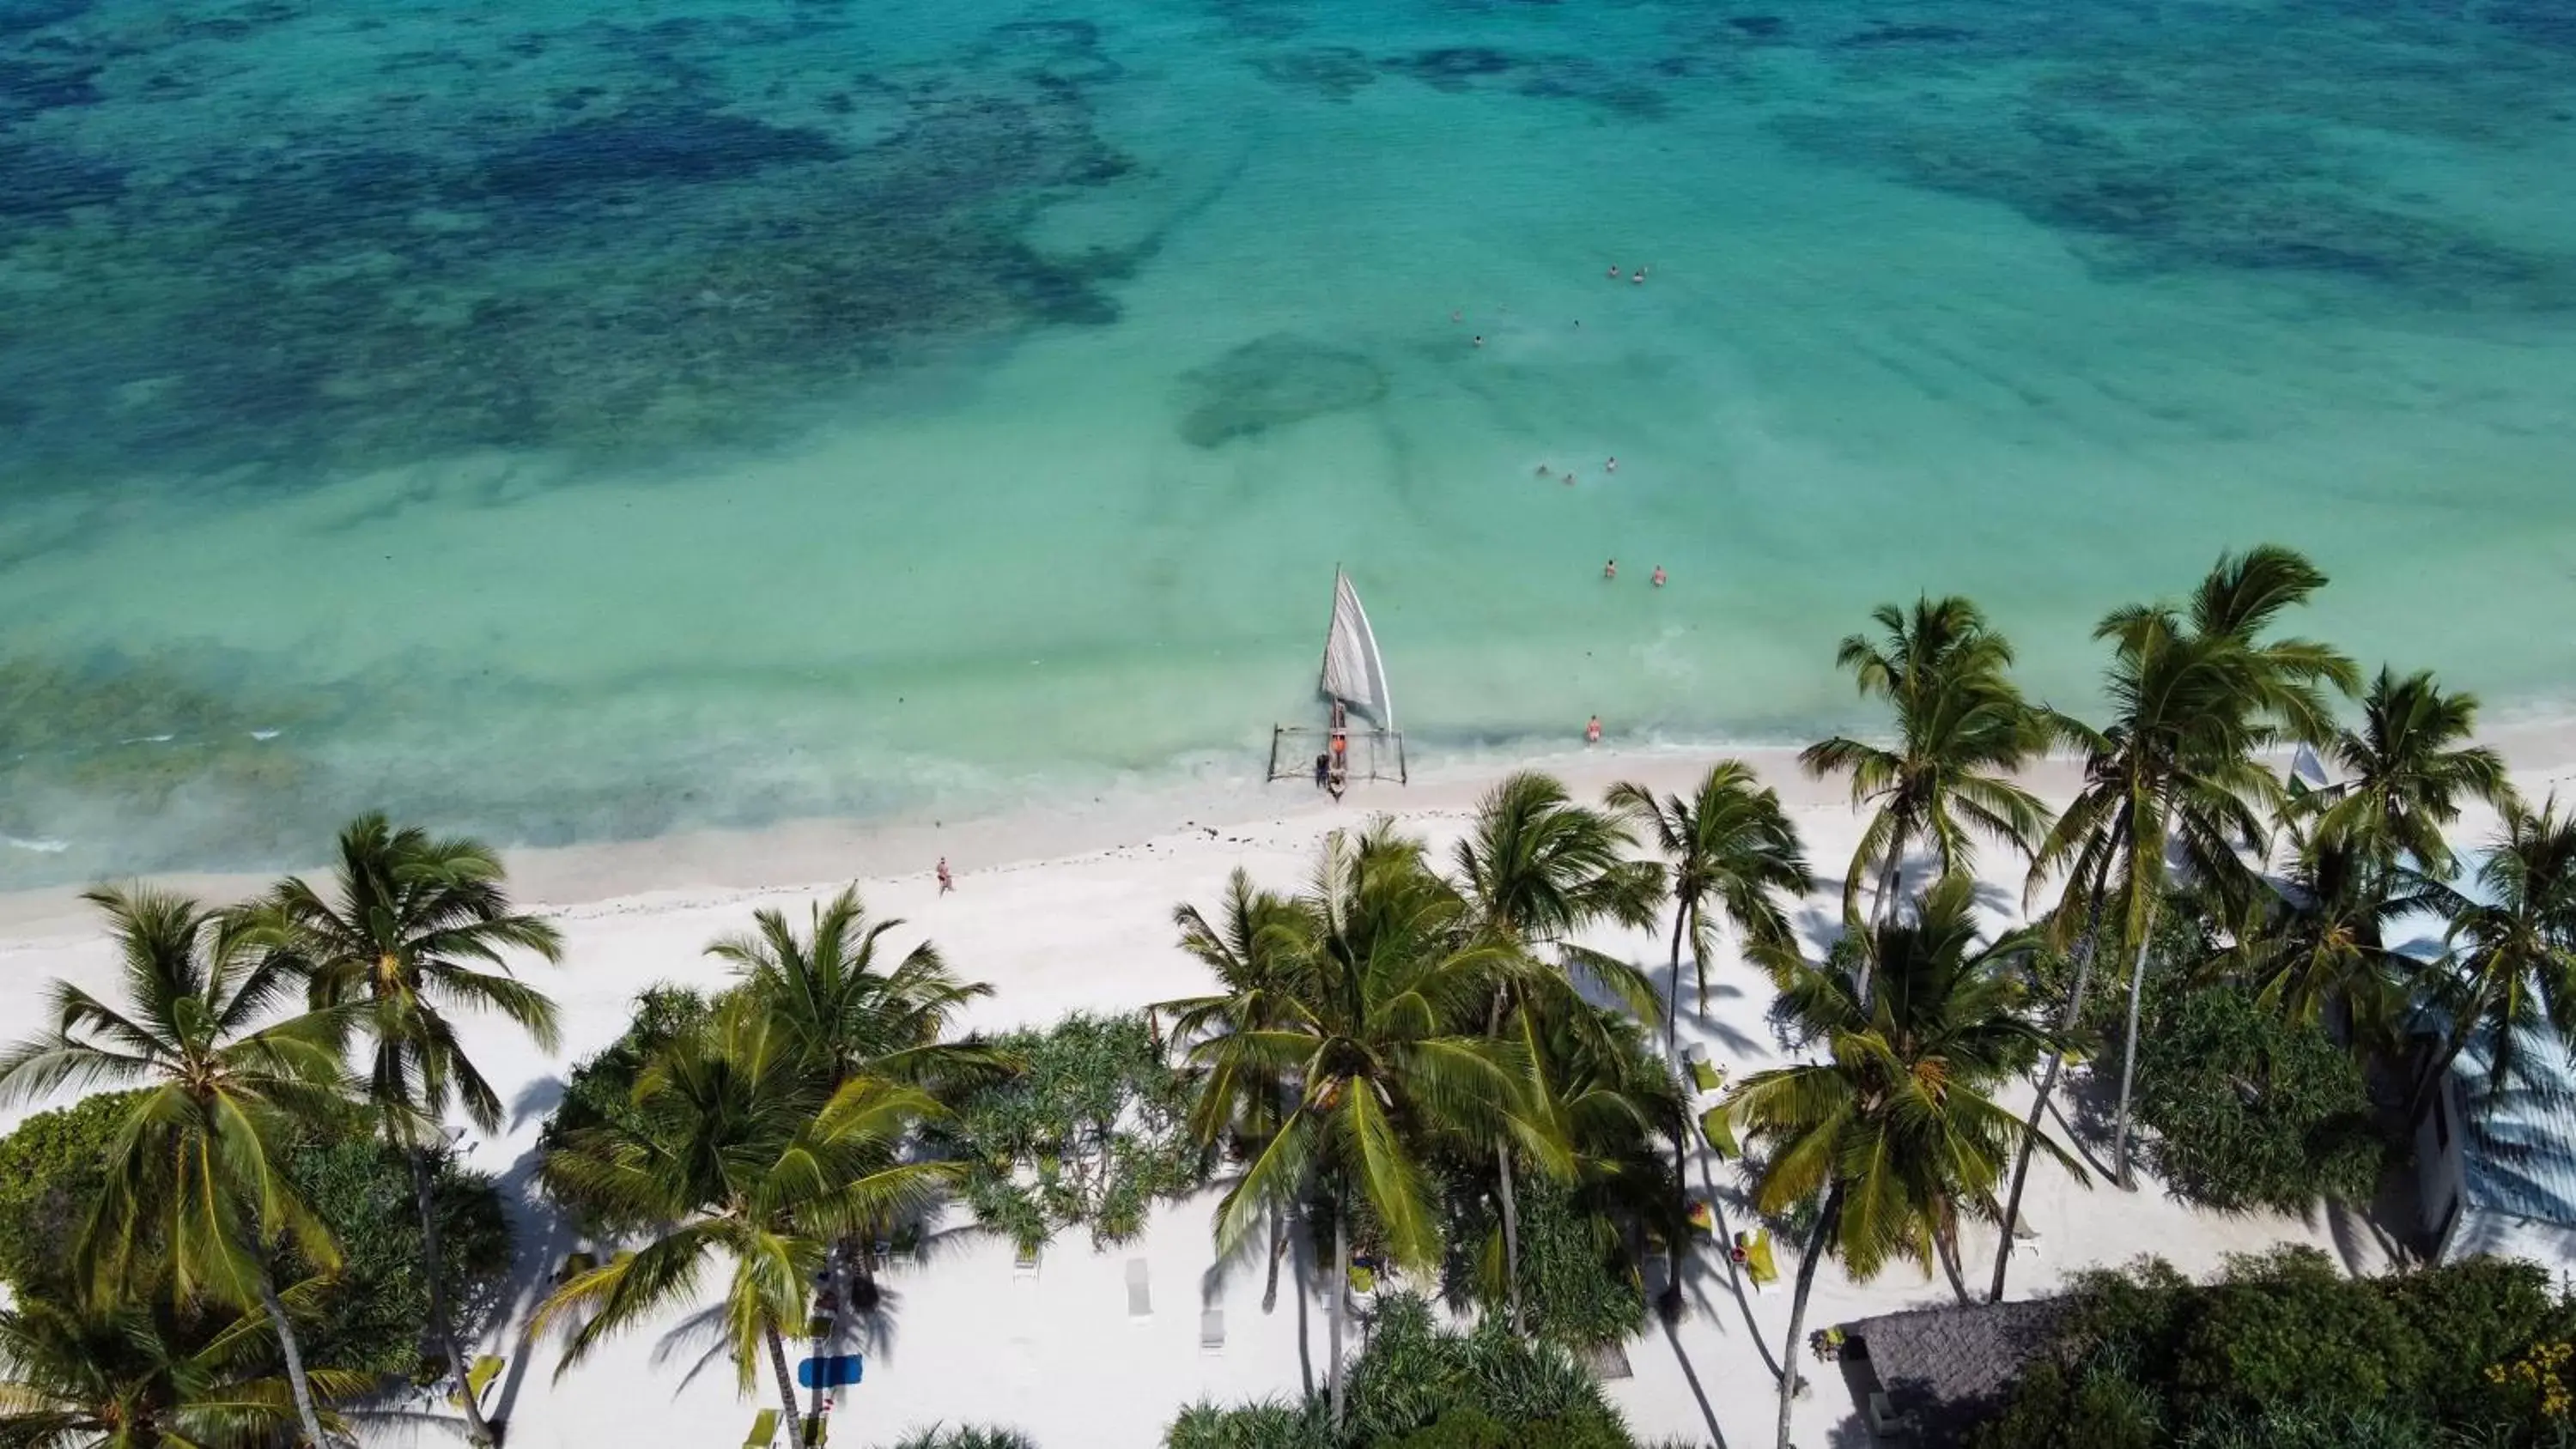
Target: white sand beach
{"type": "Point", "coordinates": [1057, 923]}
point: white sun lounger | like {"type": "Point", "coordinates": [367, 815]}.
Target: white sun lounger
{"type": "Point", "coordinates": [1212, 1331]}
{"type": "Point", "coordinates": [1140, 1298]}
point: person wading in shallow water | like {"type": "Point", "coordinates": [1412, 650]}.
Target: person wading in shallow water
{"type": "Point", "coordinates": [1592, 731]}
{"type": "Point", "coordinates": [1610, 570]}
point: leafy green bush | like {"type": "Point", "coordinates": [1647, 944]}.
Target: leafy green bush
{"type": "Point", "coordinates": [51, 1169]}
{"type": "Point", "coordinates": [376, 1313]}
{"type": "Point", "coordinates": [2249, 1108]}
{"type": "Point", "coordinates": [597, 1088]}
{"type": "Point", "coordinates": [372, 1316]}
{"type": "Point", "coordinates": [1578, 1287]}
{"type": "Point", "coordinates": [1093, 1131]}
{"type": "Point", "coordinates": [1269, 1424]}
{"type": "Point", "coordinates": [1421, 1386]}
{"type": "Point", "coordinates": [965, 1436]}
{"type": "Point", "coordinates": [2284, 1350]}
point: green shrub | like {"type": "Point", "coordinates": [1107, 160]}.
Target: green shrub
{"type": "Point", "coordinates": [52, 1168]}
{"type": "Point", "coordinates": [1269, 1424]}
{"type": "Point", "coordinates": [2284, 1350]}
{"type": "Point", "coordinates": [1098, 1118]}
{"type": "Point", "coordinates": [1419, 1385]}
{"type": "Point", "coordinates": [376, 1313]}
{"type": "Point", "coordinates": [1578, 1287]}
{"type": "Point", "coordinates": [965, 1436]}
{"type": "Point", "coordinates": [2289, 1330]}
{"type": "Point", "coordinates": [2249, 1108]}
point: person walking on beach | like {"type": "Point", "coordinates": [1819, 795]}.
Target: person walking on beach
{"type": "Point", "coordinates": [1592, 731]}
{"type": "Point", "coordinates": [947, 882]}
{"type": "Point", "coordinates": [1659, 576]}
{"type": "Point", "coordinates": [1610, 570]}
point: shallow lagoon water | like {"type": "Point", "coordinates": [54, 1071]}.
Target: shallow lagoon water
{"type": "Point", "coordinates": [591, 420]}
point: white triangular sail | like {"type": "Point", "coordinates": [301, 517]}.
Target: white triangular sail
{"type": "Point", "coordinates": [2307, 772]}
{"type": "Point", "coordinates": [1353, 672]}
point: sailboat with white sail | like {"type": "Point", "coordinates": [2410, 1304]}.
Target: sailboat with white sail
{"type": "Point", "coordinates": [1354, 688]}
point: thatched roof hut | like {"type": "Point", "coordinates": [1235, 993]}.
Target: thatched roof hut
{"type": "Point", "coordinates": [1947, 1369]}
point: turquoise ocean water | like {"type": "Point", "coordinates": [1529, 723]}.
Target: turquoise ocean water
{"type": "Point", "coordinates": [575, 420]}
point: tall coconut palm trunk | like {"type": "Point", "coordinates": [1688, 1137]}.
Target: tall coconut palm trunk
{"type": "Point", "coordinates": [433, 1262]}
{"type": "Point", "coordinates": [1511, 1232]}
{"type": "Point", "coordinates": [1510, 1199]}
{"type": "Point", "coordinates": [2129, 1054]}
{"type": "Point", "coordinates": [1673, 997]}
{"type": "Point", "coordinates": [294, 1355]}
{"type": "Point", "coordinates": [786, 1383]}
{"type": "Point", "coordinates": [2048, 1079]}
{"type": "Point", "coordinates": [1891, 874]}
{"type": "Point", "coordinates": [1278, 1246]}
{"type": "Point", "coordinates": [1333, 1307]}
{"type": "Point", "coordinates": [1677, 1237]}
{"type": "Point", "coordinates": [1798, 1306]}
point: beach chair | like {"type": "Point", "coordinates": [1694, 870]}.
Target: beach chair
{"type": "Point", "coordinates": [1140, 1297]}
{"type": "Point", "coordinates": [764, 1430]}
{"type": "Point", "coordinates": [1212, 1330]}
{"type": "Point", "coordinates": [1718, 1132]}
{"type": "Point", "coordinates": [1703, 1218]}
{"type": "Point", "coordinates": [815, 1427]}
{"type": "Point", "coordinates": [1705, 1075]}
{"type": "Point", "coordinates": [478, 1380]}
{"type": "Point", "coordinates": [1754, 1249]}
{"type": "Point", "coordinates": [2025, 1237]}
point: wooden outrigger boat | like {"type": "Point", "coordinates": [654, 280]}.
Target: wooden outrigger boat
{"type": "Point", "coordinates": [1359, 739]}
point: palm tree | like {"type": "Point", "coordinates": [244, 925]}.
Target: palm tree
{"type": "Point", "coordinates": [1961, 731]}
{"type": "Point", "coordinates": [2194, 697]}
{"type": "Point", "coordinates": [1535, 868]}
{"type": "Point", "coordinates": [1379, 1033]}
{"type": "Point", "coordinates": [2512, 946]}
{"type": "Point", "coordinates": [2325, 948]}
{"type": "Point", "coordinates": [141, 1375]}
{"type": "Point", "coordinates": [848, 1016]}
{"type": "Point", "coordinates": [416, 928]}
{"type": "Point", "coordinates": [1255, 949]}
{"type": "Point", "coordinates": [1602, 1097]}
{"type": "Point", "coordinates": [1734, 855]}
{"type": "Point", "coordinates": [731, 1147]}
{"type": "Point", "coordinates": [1894, 1129]}
{"type": "Point", "coordinates": [196, 1196]}
{"type": "Point", "coordinates": [2408, 769]}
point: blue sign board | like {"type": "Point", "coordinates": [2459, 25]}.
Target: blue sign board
{"type": "Point", "coordinates": [837, 1372]}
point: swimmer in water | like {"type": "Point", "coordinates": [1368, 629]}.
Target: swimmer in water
{"type": "Point", "coordinates": [1457, 315]}
{"type": "Point", "coordinates": [1640, 277]}
{"type": "Point", "coordinates": [1542, 471]}
{"type": "Point", "coordinates": [1659, 576]}
{"type": "Point", "coordinates": [1568, 479]}
{"type": "Point", "coordinates": [1480, 339]}
{"type": "Point", "coordinates": [1592, 731]}
{"type": "Point", "coordinates": [1610, 570]}
{"type": "Point", "coordinates": [1610, 467]}
{"type": "Point", "coordinates": [1614, 271]}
